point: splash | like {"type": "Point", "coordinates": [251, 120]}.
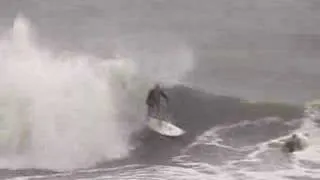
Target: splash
{"type": "Point", "coordinates": [309, 127]}
{"type": "Point", "coordinates": [61, 111]}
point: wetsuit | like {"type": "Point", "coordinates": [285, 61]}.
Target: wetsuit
{"type": "Point", "coordinates": [293, 144]}
{"type": "Point", "coordinates": [153, 100]}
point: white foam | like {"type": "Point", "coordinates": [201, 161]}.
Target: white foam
{"type": "Point", "coordinates": [264, 161]}
{"type": "Point", "coordinates": [63, 111]}
{"type": "Point", "coordinates": [312, 132]}
{"type": "Point", "coordinates": [190, 166]}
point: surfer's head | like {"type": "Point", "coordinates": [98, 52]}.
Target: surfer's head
{"type": "Point", "coordinates": [157, 86]}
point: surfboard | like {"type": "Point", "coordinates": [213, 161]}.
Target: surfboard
{"type": "Point", "coordinates": [164, 128]}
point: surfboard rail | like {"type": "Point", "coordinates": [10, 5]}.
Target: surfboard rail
{"type": "Point", "coordinates": [164, 127]}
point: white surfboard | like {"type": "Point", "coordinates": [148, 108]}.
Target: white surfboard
{"type": "Point", "coordinates": [164, 128]}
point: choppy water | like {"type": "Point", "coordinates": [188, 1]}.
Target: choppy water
{"type": "Point", "coordinates": [74, 75]}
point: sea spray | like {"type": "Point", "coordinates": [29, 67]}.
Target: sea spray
{"type": "Point", "coordinates": [56, 111]}
{"type": "Point", "coordinates": [61, 111]}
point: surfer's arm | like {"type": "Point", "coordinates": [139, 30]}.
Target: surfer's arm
{"type": "Point", "coordinates": [152, 99]}
{"type": "Point", "coordinates": [165, 95]}
{"type": "Point", "coordinates": [149, 98]}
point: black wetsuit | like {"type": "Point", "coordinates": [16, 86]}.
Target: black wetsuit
{"type": "Point", "coordinates": [153, 100]}
{"type": "Point", "coordinates": [293, 144]}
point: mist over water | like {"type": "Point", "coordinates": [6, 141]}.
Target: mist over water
{"type": "Point", "coordinates": [161, 56]}
{"type": "Point", "coordinates": [65, 111]}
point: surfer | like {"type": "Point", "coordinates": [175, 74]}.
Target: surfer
{"type": "Point", "coordinates": [153, 100]}
{"type": "Point", "coordinates": [293, 144]}
{"type": "Point", "coordinates": [155, 116]}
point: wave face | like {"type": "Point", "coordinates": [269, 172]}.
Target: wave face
{"type": "Point", "coordinates": [66, 110]}
{"type": "Point", "coordinates": [232, 140]}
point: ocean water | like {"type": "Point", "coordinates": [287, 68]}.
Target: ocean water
{"type": "Point", "coordinates": [240, 76]}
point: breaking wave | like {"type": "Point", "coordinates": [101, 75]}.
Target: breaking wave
{"type": "Point", "coordinates": [65, 111]}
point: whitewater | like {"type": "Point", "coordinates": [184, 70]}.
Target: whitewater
{"type": "Point", "coordinates": [66, 111]}
{"type": "Point", "coordinates": [242, 76]}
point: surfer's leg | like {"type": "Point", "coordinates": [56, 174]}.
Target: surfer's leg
{"type": "Point", "coordinates": [151, 110]}
{"type": "Point", "coordinates": [157, 111]}
{"type": "Point", "coordinates": [148, 111]}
